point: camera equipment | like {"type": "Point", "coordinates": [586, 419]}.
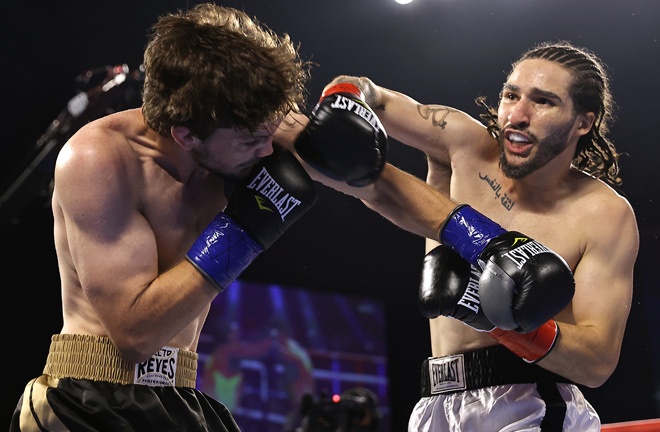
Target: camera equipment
{"type": "Point", "coordinates": [355, 410]}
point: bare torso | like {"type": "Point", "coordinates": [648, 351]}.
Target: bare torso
{"type": "Point", "coordinates": [163, 215]}
{"type": "Point", "coordinates": [556, 219]}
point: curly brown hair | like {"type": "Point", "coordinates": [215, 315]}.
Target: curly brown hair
{"type": "Point", "coordinates": [213, 66]}
{"type": "Point", "coordinates": [595, 154]}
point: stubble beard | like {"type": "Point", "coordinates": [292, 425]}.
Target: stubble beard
{"type": "Point", "coordinates": [204, 160]}
{"type": "Point", "coordinates": [547, 149]}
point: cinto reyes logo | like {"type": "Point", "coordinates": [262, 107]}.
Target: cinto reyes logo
{"type": "Point", "coordinates": [159, 370]}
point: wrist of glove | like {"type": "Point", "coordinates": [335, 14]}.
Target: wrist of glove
{"type": "Point", "coordinates": [531, 347]}
{"type": "Point", "coordinates": [342, 87]}
{"type": "Point", "coordinates": [468, 232]}
{"type": "Point", "coordinates": [223, 251]}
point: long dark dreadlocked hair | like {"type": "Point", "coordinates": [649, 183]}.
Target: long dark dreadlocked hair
{"type": "Point", "coordinates": [595, 154]}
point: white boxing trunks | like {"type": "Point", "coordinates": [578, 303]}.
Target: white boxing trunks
{"type": "Point", "coordinates": [491, 389]}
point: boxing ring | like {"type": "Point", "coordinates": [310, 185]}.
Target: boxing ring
{"type": "Point", "coordinates": [650, 425]}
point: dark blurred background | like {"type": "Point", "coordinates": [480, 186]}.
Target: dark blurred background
{"type": "Point", "coordinates": [437, 51]}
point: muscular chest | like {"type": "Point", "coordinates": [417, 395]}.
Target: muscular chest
{"type": "Point", "coordinates": [552, 222]}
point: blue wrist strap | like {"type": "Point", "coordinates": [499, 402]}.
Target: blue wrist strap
{"type": "Point", "coordinates": [468, 232]}
{"type": "Point", "coordinates": [223, 251]}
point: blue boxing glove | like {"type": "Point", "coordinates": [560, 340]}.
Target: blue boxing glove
{"type": "Point", "coordinates": [277, 193]}
{"type": "Point", "coordinates": [344, 139]}
{"type": "Point", "coordinates": [523, 283]}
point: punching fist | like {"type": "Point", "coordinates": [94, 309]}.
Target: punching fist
{"type": "Point", "coordinates": [344, 140]}
{"type": "Point", "coordinates": [450, 287]}
{"type": "Point", "coordinates": [277, 193]}
{"type": "Point", "coordinates": [523, 283]}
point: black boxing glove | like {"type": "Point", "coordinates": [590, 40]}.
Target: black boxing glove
{"type": "Point", "coordinates": [276, 193]}
{"type": "Point", "coordinates": [344, 139]}
{"type": "Point", "coordinates": [523, 283]}
{"type": "Point", "coordinates": [450, 287]}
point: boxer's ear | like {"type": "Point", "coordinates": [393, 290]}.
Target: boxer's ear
{"type": "Point", "coordinates": [585, 122]}
{"type": "Point", "coordinates": [184, 137]}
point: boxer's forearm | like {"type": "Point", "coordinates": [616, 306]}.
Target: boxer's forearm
{"type": "Point", "coordinates": [408, 202]}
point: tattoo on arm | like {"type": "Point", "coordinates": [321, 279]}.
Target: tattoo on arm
{"type": "Point", "coordinates": [436, 113]}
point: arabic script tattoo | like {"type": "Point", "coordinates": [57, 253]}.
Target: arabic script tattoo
{"type": "Point", "coordinates": [506, 201]}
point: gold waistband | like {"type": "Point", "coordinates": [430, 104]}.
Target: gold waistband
{"type": "Point", "coordinates": [96, 358]}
